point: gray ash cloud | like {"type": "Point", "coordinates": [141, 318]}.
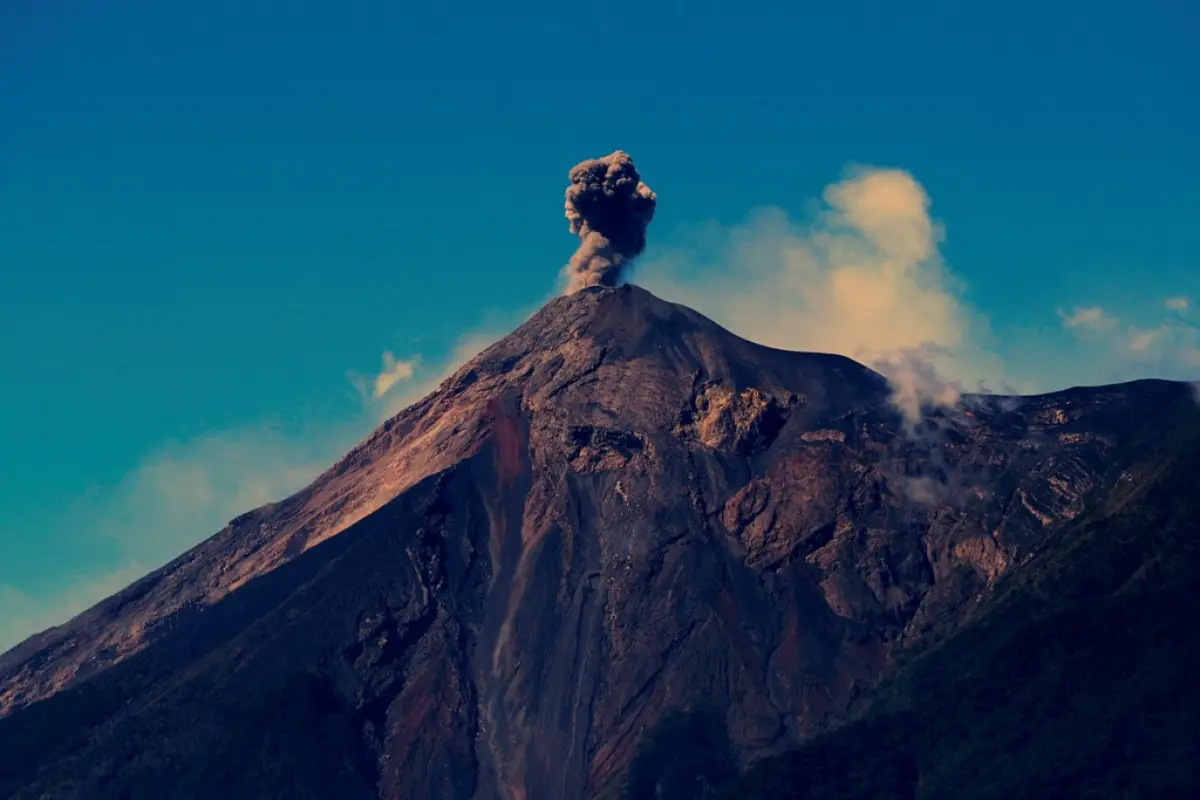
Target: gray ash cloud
{"type": "Point", "coordinates": [609, 208]}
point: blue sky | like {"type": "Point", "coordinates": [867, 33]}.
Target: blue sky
{"type": "Point", "coordinates": [215, 218]}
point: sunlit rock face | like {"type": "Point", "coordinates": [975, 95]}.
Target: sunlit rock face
{"type": "Point", "coordinates": [619, 513]}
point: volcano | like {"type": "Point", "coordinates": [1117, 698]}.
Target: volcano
{"type": "Point", "coordinates": [624, 552]}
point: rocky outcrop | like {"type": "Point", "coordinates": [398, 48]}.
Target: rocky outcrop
{"type": "Point", "coordinates": [741, 422]}
{"type": "Point", "coordinates": [617, 515]}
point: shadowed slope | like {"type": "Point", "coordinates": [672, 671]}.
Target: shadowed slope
{"type": "Point", "coordinates": [1078, 681]}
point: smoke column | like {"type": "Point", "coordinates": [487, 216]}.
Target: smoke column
{"type": "Point", "coordinates": [609, 208]}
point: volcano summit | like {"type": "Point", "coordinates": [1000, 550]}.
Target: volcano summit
{"type": "Point", "coordinates": [622, 552]}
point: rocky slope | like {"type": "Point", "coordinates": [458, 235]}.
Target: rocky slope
{"type": "Point", "coordinates": [618, 525]}
{"type": "Point", "coordinates": [1077, 679]}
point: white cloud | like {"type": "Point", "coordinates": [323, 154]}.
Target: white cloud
{"type": "Point", "coordinates": [466, 346]}
{"type": "Point", "coordinates": [186, 491]}
{"type": "Point", "coordinates": [1141, 340]}
{"type": "Point", "coordinates": [1089, 318]}
{"type": "Point", "coordinates": [394, 371]}
{"type": "Point", "coordinates": [864, 278]}
{"type": "Point", "coordinates": [1160, 345]}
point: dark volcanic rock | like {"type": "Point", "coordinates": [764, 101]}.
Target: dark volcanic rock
{"type": "Point", "coordinates": [618, 529]}
{"type": "Point", "coordinates": [1075, 678]}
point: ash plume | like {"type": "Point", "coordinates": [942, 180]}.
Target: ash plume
{"type": "Point", "coordinates": [609, 208]}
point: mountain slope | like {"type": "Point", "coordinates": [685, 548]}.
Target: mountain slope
{"type": "Point", "coordinates": [618, 529]}
{"type": "Point", "coordinates": [1079, 680]}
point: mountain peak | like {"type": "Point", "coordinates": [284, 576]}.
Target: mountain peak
{"type": "Point", "coordinates": [612, 338]}
{"type": "Point", "coordinates": [617, 514]}
{"type": "Point", "coordinates": [603, 358]}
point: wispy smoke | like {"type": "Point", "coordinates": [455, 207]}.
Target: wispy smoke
{"type": "Point", "coordinates": [916, 382]}
{"type": "Point", "coordinates": [609, 208]}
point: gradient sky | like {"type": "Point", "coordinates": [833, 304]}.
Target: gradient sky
{"type": "Point", "coordinates": [212, 213]}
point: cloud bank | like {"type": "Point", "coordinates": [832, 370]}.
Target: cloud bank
{"type": "Point", "coordinates": [863, 277]}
